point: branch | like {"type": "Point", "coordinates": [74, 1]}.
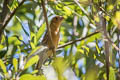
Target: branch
{"type": "Point", "coordinates": [80, 39]}
{"type": "Point", "coordinates": [4, 12]}
{"type": "Point", "coordinates": [8, 18]}
{"type": "Point", "coordinates": [48, 28]}
{"type": "Point", "coordinates": [118, 39]}
{"type": "Point", "coordinates": [106, 44]}
{"type": "Point", "coordinates": [77, 2]}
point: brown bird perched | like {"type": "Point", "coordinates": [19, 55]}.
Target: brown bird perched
{"type": "Point", "coordinates": [55, 34]}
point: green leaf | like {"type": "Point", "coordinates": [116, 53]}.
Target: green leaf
{"type": "Point", "coordinates": [31, 77]}
{"type": "Point", "coordinates": [34, 50]}
{"type": "Point", "coordinates": [22, 26]}
{"type": "Point", "coordinates": [112, 74]}
{"type": "Point", "coordinates": [35, 71]}
{"type": "Point", "coordinates": [60, 65]}
{"type": "Point", "coordinates": [3, 67]}
{"type": "Point", "coordinates": [32, 45]}
{"type": "Point", "coordinates": [34, 39]}
{"type": "Point", "coordinates": [15, 64]}
{"type": "Point", "coordinates": [98, 50]}
{"type": "Point", "coordinates": [81, 51]}
{"type": "Point", "coordinates": [32, 61]}
{"type": "Point", "coordinates": [40, 32]}
{"type": "Point", "coordinates": [14, 5]}
{"type": "Point", "coordinates": [26, 77]}
{"type": "Point", "coordinates": [86, 48]}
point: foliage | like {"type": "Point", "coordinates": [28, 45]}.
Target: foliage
{"type": "Point", "coordinates": [86, 57]}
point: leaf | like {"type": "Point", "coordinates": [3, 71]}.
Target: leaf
{"type": "Point", "coordinates": [112, 74]}
{"type": "Point", "coordinates": [35, 71]}
{"type": "Point", "coordinates": [31, 77]}
{"type": "Point", "coordinates": [67, 10]}
{"type": "Point", "coordinates": [34, 50]}
{"type": "Point", "coordinates": [40, 32]}
{"type": "Point", "coordinates": [15, 64]}
{"type": "Point", "coordinates": [86, 48]}
{"type": "Point", "coordinates": [3, 67]}
{"type": "Point", "coordinates": [26, 77]}
{"type": "Point", "coordinates": [34, 39]}
{"type": "Point", "coordinates": [24, 27]}
{"type": "Point", "coordinates": [14, 5]}
{"type": "Point", "coordinates": [32, 61]}
{"type": "Point", "coordinates": [98, 50]}
{"type": "Point", "coordinates": [60, 65]}
{"type": "Point", "coordinates": [32, 45]}
{"type": "Point", "coordinates": [81, 51]}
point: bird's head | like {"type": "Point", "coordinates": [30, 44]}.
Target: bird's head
{"type": "Point", "coordinates": [57, 20]}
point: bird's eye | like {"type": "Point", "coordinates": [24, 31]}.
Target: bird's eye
{"type": "Point", "coordinates": [56, 18]}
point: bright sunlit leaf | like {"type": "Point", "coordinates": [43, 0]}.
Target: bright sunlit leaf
{"type": "Point", "coordinates": [112, 74]}
{"type": "Point", "coordinates": [40, 32]}
{"type": "Point", "coordinates": [67, 11]}
{"type": "Point", "coordinates": [31, 61]}
{"type": "Point", "coordinates": [32, 77]}
{"type": "Point", "coordinates": [15, 64]}
{"type": "Point", "coordinates": [110, 7]}
{"type": "Point", "coordinates": [107, 18]}
{"type": "Point", "coordinates": [60, 65]}
{"type": "Point", "coordinates": [3, 67]}
{"type": "Point", "coordinates": [116, 19]}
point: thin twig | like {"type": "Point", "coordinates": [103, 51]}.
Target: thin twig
{"type": "Point", "coordinates": [80, 39]}
{"type": "Point", "coordinates": [106, 46]}
{"type": "Point", "coordinates": [77, 2]}
{"type": "Point", "coordinates": [118, 37]}
{"type": "Point", "coordinates": [48, 28]}
{"type": "Point", "coordinates": [4, 12]}
{"type": "Point", "coordinates": [8, 18]}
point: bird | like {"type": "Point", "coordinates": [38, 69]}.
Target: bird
{"type": "Point", "coordinates": [55, 36]}
{"type": "Point", "coordinates": [55, 33]}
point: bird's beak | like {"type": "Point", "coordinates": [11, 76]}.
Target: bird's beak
{"type": "Point", "coordinates": [61, 18]}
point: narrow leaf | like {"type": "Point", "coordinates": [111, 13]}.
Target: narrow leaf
{"type": "Point", "coordinates": [3, 67]}
{"type": "Point", "coordinates": [32, 61]}
{"type": "Point", "coordinates": [15, 64]}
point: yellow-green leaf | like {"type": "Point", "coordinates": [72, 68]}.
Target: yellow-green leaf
{"type": "Point", "coordinates": [112, 74]}
{"type": "Point", "coordinates": [40, 32]}
{"type": "Point", "coordinates": [67, 10]}
{"type": "Point", "coordinates": [60, 65]}
{"type": "Point", "coordinates": [110, 7]}
{"type": "Point", "coordinates": [26, 77]}
{"type": "Point", "coordinates": [3, 67]}
{"type": "Point", "coordinates": [32, 61]}
{"type": "Point", "coordinates": [80, 50]}
{"type": "Point", "coordinates": [15, 64]}
{"type": "Point", "coordinates": [98, 50]}
{"type": "Point", "coordinates": [86, 48]}
{"type": "Point", "coordinates": [32, 45]}
{"type": "Point", "coordinates": [31, 77]}
{"type": "Point", "coordinates": [35, 71]}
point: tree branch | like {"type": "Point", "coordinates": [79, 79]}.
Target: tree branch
{"type": "Point", "coordinates": [48, 28]}
{"type": "Point", "coordinates": [84, 11]}
{"type": "Point", "coordinates": [80, 39]}
{"type": "Point", "coordinates": [118, 39]}
{"type": "Point", "coordinates": [4, 12]}
{"type": "Point", "coordinates": [8, 18]}
{"type": "Point", "coordinates": [106, 46]}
